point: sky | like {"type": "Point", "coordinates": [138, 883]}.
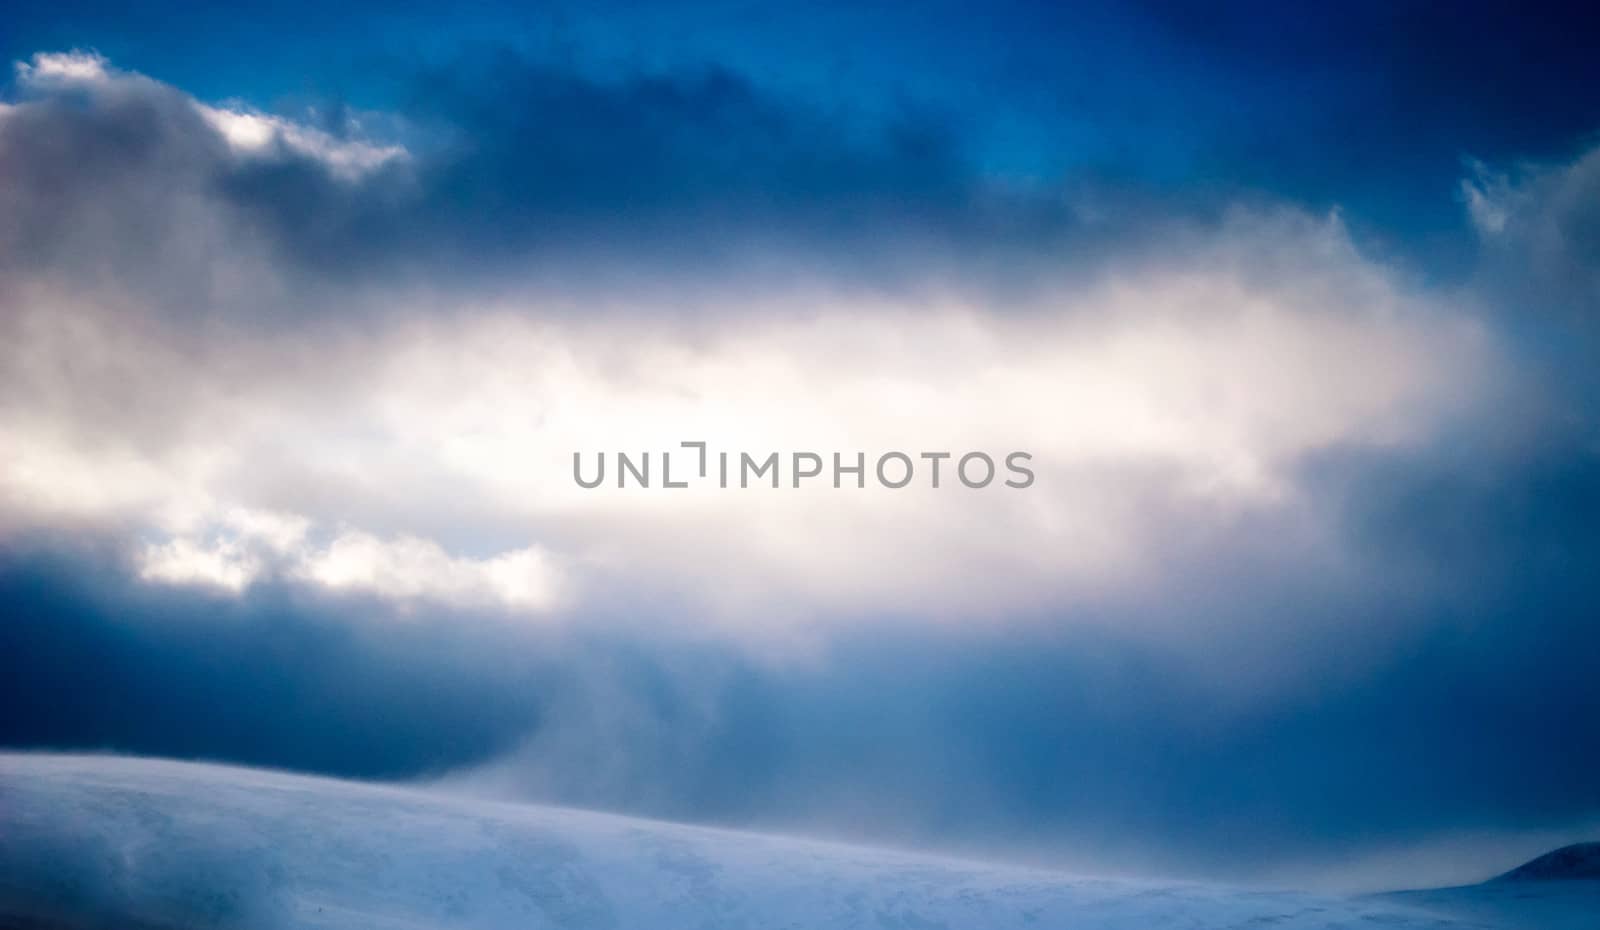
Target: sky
{"type": "Point", "coordinates": [305, 312]}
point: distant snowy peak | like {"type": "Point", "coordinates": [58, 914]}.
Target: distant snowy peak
{"type": "Point", "coordinates": [1578, 861]}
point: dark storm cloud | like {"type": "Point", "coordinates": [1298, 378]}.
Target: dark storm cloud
{"type": "Point", "coordinates": [547, 154]}
{"type": "Point", "coordinates": [94, 660]}
{"type": "Point", "coordinates": [517, 168]}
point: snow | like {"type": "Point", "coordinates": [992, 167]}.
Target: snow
{"type": "Point", "coordinates": [1578, 862]}
{"type": "Point", "coordinates": [1536, 905]}
{"type": "Point", "coordinates": [88, 840]}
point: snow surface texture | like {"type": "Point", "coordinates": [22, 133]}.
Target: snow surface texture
{"type": "Point", "coordinates": [133, 843]}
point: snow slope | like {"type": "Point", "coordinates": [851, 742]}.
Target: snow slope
{"type": "Point", "coordinates": [1559, 890]}
{"type": "Point", "coordinates": [1513, 905]}
{"type": "Point", "coordinates": [92, 841]}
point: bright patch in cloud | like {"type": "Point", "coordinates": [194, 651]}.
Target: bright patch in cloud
{"type": "Point", "coordinates": [248, 545]}
{"type": "Point", "coordinates": [253, 134]}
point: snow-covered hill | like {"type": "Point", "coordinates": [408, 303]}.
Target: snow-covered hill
{"type": "Point", "coordinates": [1559, 890]}
{"type": "Point", "coordinates": [1578, 862]}
{"type": "Point", "coordinates": [90, 841]}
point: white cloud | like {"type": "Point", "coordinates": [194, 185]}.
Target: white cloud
{"type": "Point", "coordinates": [223, 564]}
{"type": "Point", "coordinates": [250, 133]}
{"type": "Point", "coordinates": [64, 68]}
{"type": "Point", "coordinates": [1160, 407]}
{"type": "Point", "coordinates": [247, 545]}
{"type": "Point", "coordinates": [409, 567]}
{"type": "Point", "coordinates": [1490, 199]}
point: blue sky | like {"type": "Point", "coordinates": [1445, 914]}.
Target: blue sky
{"type": "Point", "coordinates": [306, 310]}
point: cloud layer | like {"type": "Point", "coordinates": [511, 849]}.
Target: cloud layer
{"type": "Point", "coordinates": [415, 440]}
{"type": "Point", "coordinates": [290, 402]}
